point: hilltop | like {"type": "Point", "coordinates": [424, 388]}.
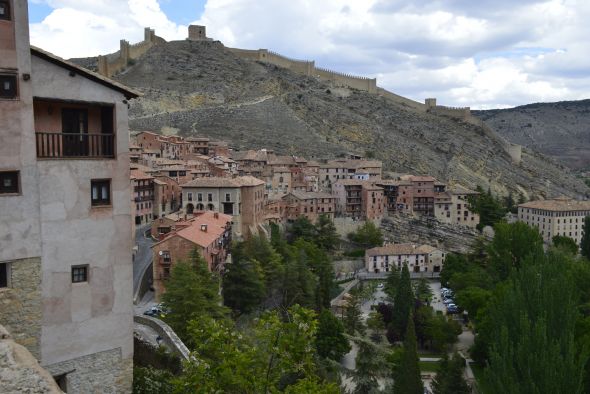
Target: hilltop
{"type": "Point", "coordinates": [560, 130]}
{"type": "Point", "coordinates": [202, 88]}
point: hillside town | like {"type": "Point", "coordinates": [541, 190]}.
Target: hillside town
{"type": "Point", "coordinates": [142, 261]}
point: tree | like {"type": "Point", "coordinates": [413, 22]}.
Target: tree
{"type": "Point", "coordinates": [259, 249]}
{"type": "Point", "coordinates": [565, 243]}
{"type": "Point", "coordinates": [391, 282]}
{"type": "Point", "coordinates": [243, 286]}
{"type": "Point", "coordinates": [303, 228]}
{"type": "Point", "coordinates": [531, 344]}
{"type": "Point", "coordinates": [449, 378]}
{"type": "Point", "coordinates": [369, 366]}
{"type": "Point", "coordinates": [367, 236]}
{"type": "Point", "coordinates": [152, 381]}
{"type": "Point", "coordinates": [352, 314]}
{"type": "Point", "coordinates": [298, 284]}
{"type": "Point", "coordinates": [191, 291]}
{"type": "Point", "coordinates": [473, 299]}
{"type": "Point", "coordinates": [406, 376]}
{"type": "Point", "coordinates": [402, 304]}
{"type": "Point", "coordinates": [423, 291]}
{"type": "Point", "coordinates": [330, 340]}
{"type": "Point", "coordinates": [585, 243]}
{"type": "Point", "coordinates": [321, 266]}
{"type": "Point", "coordinates": [327, 237]}
{"type": "Point", "coordinates": [488, 207]}
{"type": "Point", "coordinates": [512, 243]}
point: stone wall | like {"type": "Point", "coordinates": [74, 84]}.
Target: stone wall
{"type": "Point", "coordinates": [19, 370]}
{"type": "Point", "coordinates": [103, 372]}
{"type": "Point", "coordinates": [168, 335]}
{"type": "Point", "coordinates": [111, 64]}
{"type": "Point", "coordinates": [20, 304]}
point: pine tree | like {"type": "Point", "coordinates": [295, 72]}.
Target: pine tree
{"type": "Point", "coordinates": [402, 304]}
{"type": "Point", "coordinates": [369, 365]}
{"type": "Point", "coordinates": [327, 237]}
{"type": "Point", "coordinates": [449, 378]}
{"type": "Point", "coordinates": [391, 282]}
{"type": "Point", "coordinates": [352, 314]}
{"type": "Point", "coordinates": [585, 243]}
{"type": "Point", "coordinates": [191, 291]}
{"type": "Point", "coordinates": [330, 340]}
{"type": "Point", "coordinates": [243, 286]}
{"type": "Point", "coordinates": [406, 377]}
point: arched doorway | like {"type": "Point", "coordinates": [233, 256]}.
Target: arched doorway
{"type": "Point", "coordinates": [210, 207]}
{"type": "Point", "coordinates": [190, 208]}
{"type": "Point", "coordinates": [200, 207]}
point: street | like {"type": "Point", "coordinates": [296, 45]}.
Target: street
{"type": "Point", "coordinates": [143, 257]}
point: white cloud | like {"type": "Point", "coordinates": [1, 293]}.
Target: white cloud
{"type": "Point", "coordinates": [482, 53]}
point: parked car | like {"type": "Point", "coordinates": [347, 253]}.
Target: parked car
{"type": "Point", "coordinates": [448, 301]}
{"type": "Point", "coordinates": [452, 309]}
{"type": "Point", "coordinates": [380, 286]}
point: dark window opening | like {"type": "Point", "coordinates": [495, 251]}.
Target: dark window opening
{"type": "Point", "coordinates": [101, 192]}
{"type": "Point", "coordinates": [79, 273]}
{"type": "Point", "coordinates": [8, 86]}
{"type": "Point", "coordinates": [9, 182]}
{"type": "Point", "coordinates": [62, 382]}
{"type": "Point", "coordinates": [4, 274]}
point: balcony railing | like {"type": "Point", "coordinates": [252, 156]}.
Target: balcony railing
{"type": "Point", "coordinates": [75, 145]}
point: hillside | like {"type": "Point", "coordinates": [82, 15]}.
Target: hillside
{"type": "Point", "coordinates": [560, 130]}
{"type": "Point", "coordinates": [201, 88]}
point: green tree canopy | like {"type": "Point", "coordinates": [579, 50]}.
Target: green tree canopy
{"type": "Point", "coordinates": [326, 237]}
{"type": "Point", "coordinates": [449, 378]}
{"type": "Point", "coordinates": [330, 340]}
{"type": "Point", "coordinates": [243, 286]}
{"type": "Point", "coordinates": [565, 243]}
{"type": "Point", "coordinates": [352, 314]}
{"type": "Point", "coordinates": [191, 291]}
{"type": "Point", "coordinates": [402, 305]}
{"type": "Point", "coordinates": [406, 376]}
{"type": "Point", "coordinates": [367, 236]}
{"type": "Point", "coordinates": [585, 243]}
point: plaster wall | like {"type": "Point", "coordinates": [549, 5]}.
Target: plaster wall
{"type": "Point", "coordinates": [81, 319]}
{"type": "Point", "coordinates": [48, 117]}
{"type": "Point", "coordinates": [217, 200]}
{"type": "Point", "coordinates": [20, 231]}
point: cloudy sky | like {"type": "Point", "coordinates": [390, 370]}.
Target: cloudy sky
{"type": "Point", "coordinates": [478, 53]}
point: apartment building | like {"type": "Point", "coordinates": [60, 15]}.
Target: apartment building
{"type": "Point", "coordinates": [418, 258]}
{"type": "Point", "coordinates": [209, 233]}
{"type": "Point", "coordinates": [308, 204]}
{"type": "Point", "coordinates": [359, 199]}
{"type": "Point", "coordinates": [65, 261]}
{"type": "Point", "coordinates": [452, 207]}
{"type": "Point", "coordinates": [342, 169]}
{"type": "Point", "coordinates": [242, 197]}
{"type": "Point", "coordinates": [143, 196]}
{"type": "Point", "coordinates": [560, 216]}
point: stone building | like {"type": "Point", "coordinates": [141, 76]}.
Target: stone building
{"type": "Point", "coordinates": [242, 197]}
{"type": "Point", "coordinates": [143, 196]}
{"type": "Point", "coordinates": [452, 207]}
{"type": "Point", "coordinates": [560, 216]}
{"type": "Point", "coordinates": [209, 233]}
{"type": "Point", "coordinates": [308, 204]}
{"type": "Point", "coordinates": [342, 169]}
{"type": "Point", "coordinates": [357, 199]}
{"type": "Point", "coordinates": [418, 258]}
{"type": "Point", "coordinates": [65, 214]}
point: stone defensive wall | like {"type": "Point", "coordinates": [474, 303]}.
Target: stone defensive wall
{"type": "Point", "coordinates": [111, 64]}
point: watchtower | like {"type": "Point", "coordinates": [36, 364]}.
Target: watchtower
{"type": "Point", "coordinates": [197, 33]}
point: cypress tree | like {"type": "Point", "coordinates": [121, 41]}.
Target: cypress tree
{"type": "Point", "coordinates": [391, 282]}
{"type": "Point", "coordinates": [402, 304]}
{"type": "Point", "coordinates": [406, 378]}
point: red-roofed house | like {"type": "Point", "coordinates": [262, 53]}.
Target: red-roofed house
{"type": "Point", "coordinates": [209, 233]}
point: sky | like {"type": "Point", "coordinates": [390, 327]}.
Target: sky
{"type": "Point", "coordinates": [483, 54]}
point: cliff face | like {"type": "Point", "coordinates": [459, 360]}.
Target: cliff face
{"type": "Point", "coordinates": [560, 130]}
{"type": "Point", "coordinates": [202, 88]}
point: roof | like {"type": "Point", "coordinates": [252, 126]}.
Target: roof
{"type": "Point", "coordinates": [240, 181]}
{"type": "Point", "coordinates": [560, 204]}
{"type": "Point", "coordinates": [399, 249]}
{"type": "Point", "coordinates": [216, 226]}
{"type": "Point", "coordinates": [139, 175]}
{"type": "Point", "coordinates": [50, 57]}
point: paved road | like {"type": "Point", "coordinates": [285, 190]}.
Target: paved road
{"type": "Point", "coordinates": [143, 257]}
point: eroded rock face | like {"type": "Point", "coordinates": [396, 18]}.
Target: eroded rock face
{"type": "Point", "coordinates": [19, 370]}
{"type": "Point", "coordinates": [202, 88]}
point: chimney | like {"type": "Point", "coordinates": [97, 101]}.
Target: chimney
{"type": "Point", "coordinates": [204, 228]}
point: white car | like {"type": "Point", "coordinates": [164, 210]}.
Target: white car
{"type": "Point", "coordinates": [380, 286]}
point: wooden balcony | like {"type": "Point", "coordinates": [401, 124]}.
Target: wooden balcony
{"type": "Point", "coordinates": [75, 145]}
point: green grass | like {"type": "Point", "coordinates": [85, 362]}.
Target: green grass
{"type": "Point", "coordinates": [428, 366]}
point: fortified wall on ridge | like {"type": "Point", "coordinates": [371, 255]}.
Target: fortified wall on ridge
{"type": "Point", "coordinates": [110, 65]}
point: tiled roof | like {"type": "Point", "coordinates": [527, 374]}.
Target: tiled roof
{"type": "Point", "coordinates": [224, 182]}
{"type": "Point", "coordinates": [558, 204]}
{"type": "Point", "coordinates": [309, 195]}
{"type": "Point", "coordinates": [216, 225]}
{"type": "Point", "coordinates": [399, 249]}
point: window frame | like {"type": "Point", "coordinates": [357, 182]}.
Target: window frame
{"type": "Point", "coordinates": [14, 78]}
{"type": "Point", "coordinates": [101, 202]}
{"type": "Point", "coordinates": [10, 192]}
{"type": "Point", "coordinates": [86, 271]}
{"type": "Point", "coordinates": [8, 15]}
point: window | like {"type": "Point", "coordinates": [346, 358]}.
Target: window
{"type": "Point", "coordinates": [4, 10]}
{"type": "Point", "coordinates": [209, 197]}
{"type": "Point", "coordinates": [101, 192]}
{"type": "Point", "coordinates": [79, 273]}
{"type": "Point", "coordinates": [190, 196]}
{"type": "Point", "coordinates": [4, 274]}
{"type": "Point", "coordinates": [227, 197]}
{"type": "Point", "coordinates": [200, 197]}
{"type": "Point", "coordinates": [8, 86]}
{"type": "Point", "coordinates": [9, 182]}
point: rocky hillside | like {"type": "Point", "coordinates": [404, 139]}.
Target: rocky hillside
{"type": "Point", "coordinates": [560, 130]}
{"type": "Point", "coordinates": [200, 88]}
